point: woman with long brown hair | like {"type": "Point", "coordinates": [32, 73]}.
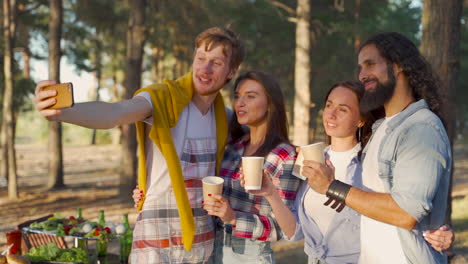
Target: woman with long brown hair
{"type": "Point", "coordinates": [248, 223]}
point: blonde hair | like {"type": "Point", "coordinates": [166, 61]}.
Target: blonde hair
{"type": "Point", "coordinates": [227, 38]}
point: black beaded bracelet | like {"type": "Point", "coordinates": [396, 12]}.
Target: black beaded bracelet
{"type": "Point", "coordinates": [338, 191]}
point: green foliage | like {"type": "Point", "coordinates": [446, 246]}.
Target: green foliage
{"type": "Point", "coordinates": [29, 19]}
{"type": "Point", "coordinates": [24, 88]}
{"type": "Point", "coordinates": [51, 252]}
{"type": "Point", "coordinates": [334, 55]}
{"type": "Point", "coordinates": [269, 39]}
{"type": "Point", "coordinates": [89, 36]}
{"type": "Point", "coordinates": [76, 135]}
{"type": "Point", "coordinates": [94, 33]}
{"type": "Point", "coordinates": [31, 128]}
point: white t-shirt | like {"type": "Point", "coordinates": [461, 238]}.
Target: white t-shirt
{"type": "Point", "coordinates": [313, 201]}
{"type": "Point", "coordinates": [380, 242]}
{"type": "Point", "coordinates": [201, 126]}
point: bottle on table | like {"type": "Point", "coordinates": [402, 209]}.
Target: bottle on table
{"type": "Point", "coordinates": [102, 241]}
{"type": "Point", "coordinates": [79, 215]}
{"type": "Point", "coordinates": [79, 242]}
{"type": "Point", "coordinates": [102, 219]}
{"type": "Point", "coordinates": [125, 241]}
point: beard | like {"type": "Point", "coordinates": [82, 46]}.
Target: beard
{"type": "Point", "coordinates": [380, 95]}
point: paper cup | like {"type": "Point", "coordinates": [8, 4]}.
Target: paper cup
{"type": "Point", "coordinates": [314, 152]}
{"type": "Point", "coordinates": [309, 152]}
{"type": "Point", "coordinates": [212, 185]}
{"type": "Point", "coordinates": [252, 168]}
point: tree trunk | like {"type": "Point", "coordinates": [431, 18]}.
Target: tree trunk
{"type": "Point", "coordinates": [26, 61]}
{"type": "Point", "coordinates": [135, 42]}
{"type": "Point", "coordinates": [160, 65]}
{"type": "Point", "coordinates": [302, 74]}
{"type": "Point", "coordinates": [357, 34]}
{"type": "Point", "coordinates": [6, 63]}
{"type": "Point", "coordinates": [441, 24]}
{"type": "Point", "coordinates": [8, 126]}
{"type": "Point", "coordinates": [23, 35]}
{"type": "Point", "coordinates": [116, 136]}
{"type": "Point", "coordinates": [55, 128]}
{"type": "Point", "coordinates": [98, 66]}
{"type": "Point", "coordinates": [155, 51]}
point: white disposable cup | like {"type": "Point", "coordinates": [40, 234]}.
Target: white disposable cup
{"type": "Point", "coordinates": [309, 152]}
{"type": "Point", "coordinates": [252, 168]}
{"type": "Point", "coordinates": [314, 152]}
{"type": "Point", "coordinates": [212, 185]}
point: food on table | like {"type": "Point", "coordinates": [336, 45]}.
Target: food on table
{"type": "Point", "coordinates": [120, 229]}
{"type": "Point", "coordinates": [76, 226]}
{"type": "Point", "coordinates": [86, 228]}
{"type": "Point", "coordinates": [51, 252]}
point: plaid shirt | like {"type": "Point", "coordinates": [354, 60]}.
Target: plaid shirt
{"type": "Point", "coordinates": [254, 217]}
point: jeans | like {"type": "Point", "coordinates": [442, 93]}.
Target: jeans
{"type": "Point", "coordinates": [235, 250]}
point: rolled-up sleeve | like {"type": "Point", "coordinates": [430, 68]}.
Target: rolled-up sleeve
{"type": "Point", "coordinates": [298, 233]}
{"type": "Point", "coordinates": [423, 158]}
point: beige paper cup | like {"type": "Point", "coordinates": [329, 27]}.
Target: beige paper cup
{"type": "Point", "coordinates": [252, 168]}
{"type": "Point", "coordinates": [314, 152]}
{"type": "Point", "coordinates": [213, 185]}
{"type": "Point", "coordinates": [309, 152]}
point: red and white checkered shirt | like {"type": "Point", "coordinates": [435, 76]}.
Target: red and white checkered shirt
{"type": "Point", "coordinates": [254, 217]}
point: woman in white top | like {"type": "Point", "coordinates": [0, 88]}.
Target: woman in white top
{"type": "Point", "coordinates": [329, 236]}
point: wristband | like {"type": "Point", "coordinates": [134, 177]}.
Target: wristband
{"type": "Point", "coordinates": [338, 191]}
{"type": "Point", "coordinates": [335, 204]}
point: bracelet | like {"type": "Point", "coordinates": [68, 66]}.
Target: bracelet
{"type": "Point", "coordinates": [335, 204]}
{"type": "Point", "coordinates": [338, 191]}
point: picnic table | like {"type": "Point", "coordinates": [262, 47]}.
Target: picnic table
{"type": "Point", "coordinates": [95, 246]}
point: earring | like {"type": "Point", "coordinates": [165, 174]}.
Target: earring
{"type": "Point", "coordinates": [359, 134]}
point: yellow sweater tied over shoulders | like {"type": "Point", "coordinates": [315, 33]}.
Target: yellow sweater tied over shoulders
{"type": "Point", "coordinates": [169, 99]}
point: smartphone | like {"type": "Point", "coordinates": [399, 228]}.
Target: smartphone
{"type": "Point", "coordinates": [64, 95]}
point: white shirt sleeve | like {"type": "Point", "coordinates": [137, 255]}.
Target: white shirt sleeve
{"type": "Point", "coordinates": [147, 96]}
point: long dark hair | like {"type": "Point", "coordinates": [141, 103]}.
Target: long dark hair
{"type": "Point", "coordinates": [277, 122]}
{"type": "Point", "coordinates": [398, 49]}
{"type": "Point", "coordinates": [364, 133]}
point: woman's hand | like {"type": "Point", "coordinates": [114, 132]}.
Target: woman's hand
{"type": "Point", "coordinates": [268, 188]}
{"type": "Point", "coordinates": [440, 239]}
{"type": "Point", "coordinates": [319, 176]}
{"type": "Point", "coordinates": [137, 196]}
{"type": "Point", "coordinates": [220, 208]}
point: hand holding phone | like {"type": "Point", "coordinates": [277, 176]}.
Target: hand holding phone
{"type": "Point", "coordinates": [64, 95]}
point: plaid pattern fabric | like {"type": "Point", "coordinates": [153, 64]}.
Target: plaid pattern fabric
{"type": "Point", "coordinates": [157, 237]}
{"type": "Point", "coordinates": [254, 216]}
{"type": "Point", "coordinates": [198, 158]}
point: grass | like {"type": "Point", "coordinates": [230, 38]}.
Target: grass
{"type": "Point", "coordinates": [32, 129]}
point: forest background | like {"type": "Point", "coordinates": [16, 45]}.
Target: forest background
{"type": "Point", "coordinates": [127, 44]}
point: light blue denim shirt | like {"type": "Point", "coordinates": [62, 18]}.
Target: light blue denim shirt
{"type": "Point", "coordinates": [340, 244]}
{"type": "Point", "coordinates": [414, 165]}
